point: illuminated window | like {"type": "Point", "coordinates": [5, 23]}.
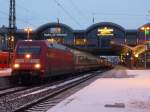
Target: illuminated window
{"type": "Point", "coordinates": [55, 30]}
{"type": "Point", "coordinates": [51, 40]}
{"type": "Point", "coordinates": [56, 40]}
{"type": "Point", "coordinates": [80, 41]}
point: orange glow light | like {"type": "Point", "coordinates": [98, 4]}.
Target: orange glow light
{"type": "Point", "coordinates": [147, 28]}
{"type": "Point", "coordinates": [28, 29]}
{"type": "Point", "coordinates": [143, 28]}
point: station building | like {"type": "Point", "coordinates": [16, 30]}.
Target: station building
{"type": "Point", "coordinates": [100, 36]}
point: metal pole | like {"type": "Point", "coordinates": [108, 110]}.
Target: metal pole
{"type": "Point", "coordinates": [145, 49]}
{"type": "Point", "coordinates": [28, 34]}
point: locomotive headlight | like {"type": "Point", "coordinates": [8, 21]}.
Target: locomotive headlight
{"type": "Point", "coordinates": [37, 66]}
{"type": "Point", "coordinates": [16, 66]}
{"type": "Point", "coordinates": [28, 56]}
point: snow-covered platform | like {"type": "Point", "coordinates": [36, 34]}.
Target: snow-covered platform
{"type": "Point", "coordinates": [5, 72]}
{"type": "Point", "coordinates": [5, 77]}
{"type": "Point", "coordinates": [116, 91]}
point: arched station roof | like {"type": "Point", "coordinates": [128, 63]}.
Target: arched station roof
{"type": "Point", "coordinates": [48, 25]}
{"type": "Point", "coordinates": [147, 24]}
{"type": "Point", "coordinates": [104, 24]}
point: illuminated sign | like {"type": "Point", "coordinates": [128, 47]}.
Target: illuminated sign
{"type": "Point", "coordinates": [105, 32]}
{"type": "Point", "coordinates": [54, 35]}
{"type": "Point", "coordinates": [54, 32]}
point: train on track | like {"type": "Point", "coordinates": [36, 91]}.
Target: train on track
{"type": "Point", "coordinates": [5, 59]}
{"type": "Point", "coordinates": [40, 59]}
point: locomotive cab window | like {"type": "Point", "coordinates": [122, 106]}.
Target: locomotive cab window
{"type": "Point", "coordinates": [29, 49]}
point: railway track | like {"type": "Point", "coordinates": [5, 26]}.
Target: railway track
{"type": "Point", "coordinates": [50, 98]}
{"type": "Point", "coordinates": [22, 98]}
{"type": "Point", "coordinates": [11, 90]}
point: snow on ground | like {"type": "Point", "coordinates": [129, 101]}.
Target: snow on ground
{"type": "Point", "coordinates": [5, 72]}
{"type": "Point", "coordinates": [117, 91]}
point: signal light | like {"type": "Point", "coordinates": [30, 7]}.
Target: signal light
{"type": "Point", "coordinates": [16, 66]}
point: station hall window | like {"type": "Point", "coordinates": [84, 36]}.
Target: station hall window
{"type": "Point", "coordinates": [56, 40]}
{"type": "Point", "coordinates": [80, 41]}
{"type": "Point", "coordinates": [55, 30]}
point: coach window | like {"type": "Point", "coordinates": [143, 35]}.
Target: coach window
{"type": "Point", "coordinates": [57, 46]}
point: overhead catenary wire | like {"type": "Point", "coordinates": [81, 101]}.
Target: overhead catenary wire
{"type": "Point", "coordinates": [119, 14]}
{"type": "Point", "coordinates": [77, 9]}
{"type": "Point", "coordinates": [30, 16]}
{"type": "Point", "coordinates": [62, 7]}
{"type": "Point", "coordinates": [18, 18]}
{"type": "Point", "coordinates": [30, 11]}
{"type": "Point", "coordinates": [35, 13]}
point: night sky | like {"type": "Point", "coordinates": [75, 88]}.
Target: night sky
{"type": "Point", "coordinates": [78, 14]}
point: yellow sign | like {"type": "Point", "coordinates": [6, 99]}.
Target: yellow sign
{"type": "Point", "coordinates": [105, 32]}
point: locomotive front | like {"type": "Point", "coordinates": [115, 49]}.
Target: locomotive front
{"type": "Point", "coordinates": [27, 62]}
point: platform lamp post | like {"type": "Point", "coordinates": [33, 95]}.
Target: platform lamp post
{"type": "Point", "coordinates": [146, 32]}
{"type": "Point", "coordinates": [28, 30]}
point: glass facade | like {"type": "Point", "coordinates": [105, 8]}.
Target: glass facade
{"type": "Point", "coordinates": [101, 36]}
{"type": "Point", "coordinates": [56, 33]}
{"type": "Point", "coordinates": [80, 42]}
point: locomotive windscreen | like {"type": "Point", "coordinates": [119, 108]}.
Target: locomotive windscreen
{"type": "Point", "coordinates": [28, 49]}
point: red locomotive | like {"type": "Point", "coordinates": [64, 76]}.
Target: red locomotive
{"type": "Point", "coordinates": [5, 59]}
{"type": "Point", "coordinates": [41, 59]}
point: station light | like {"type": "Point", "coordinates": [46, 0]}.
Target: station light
{"type": "Point", "coordinates": [143, 28]}
{"type": "Point", "coordinates": [85, 40]}
{"type": "Point", "coordinates": [146, 30]}
{"type": "Point", "coordinates": [127, 54]}
{"type": "Point", "coordinates": [136, 55]}
{"type": "Point", "coordinates": [28, 30]}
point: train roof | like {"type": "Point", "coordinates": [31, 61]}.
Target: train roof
{"type": "Point", "coordinates": [36, 41]}
{"type": "Point", "coordinates": [81, 53]}
{"type": "Point", "coordinates": [49, 44]}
